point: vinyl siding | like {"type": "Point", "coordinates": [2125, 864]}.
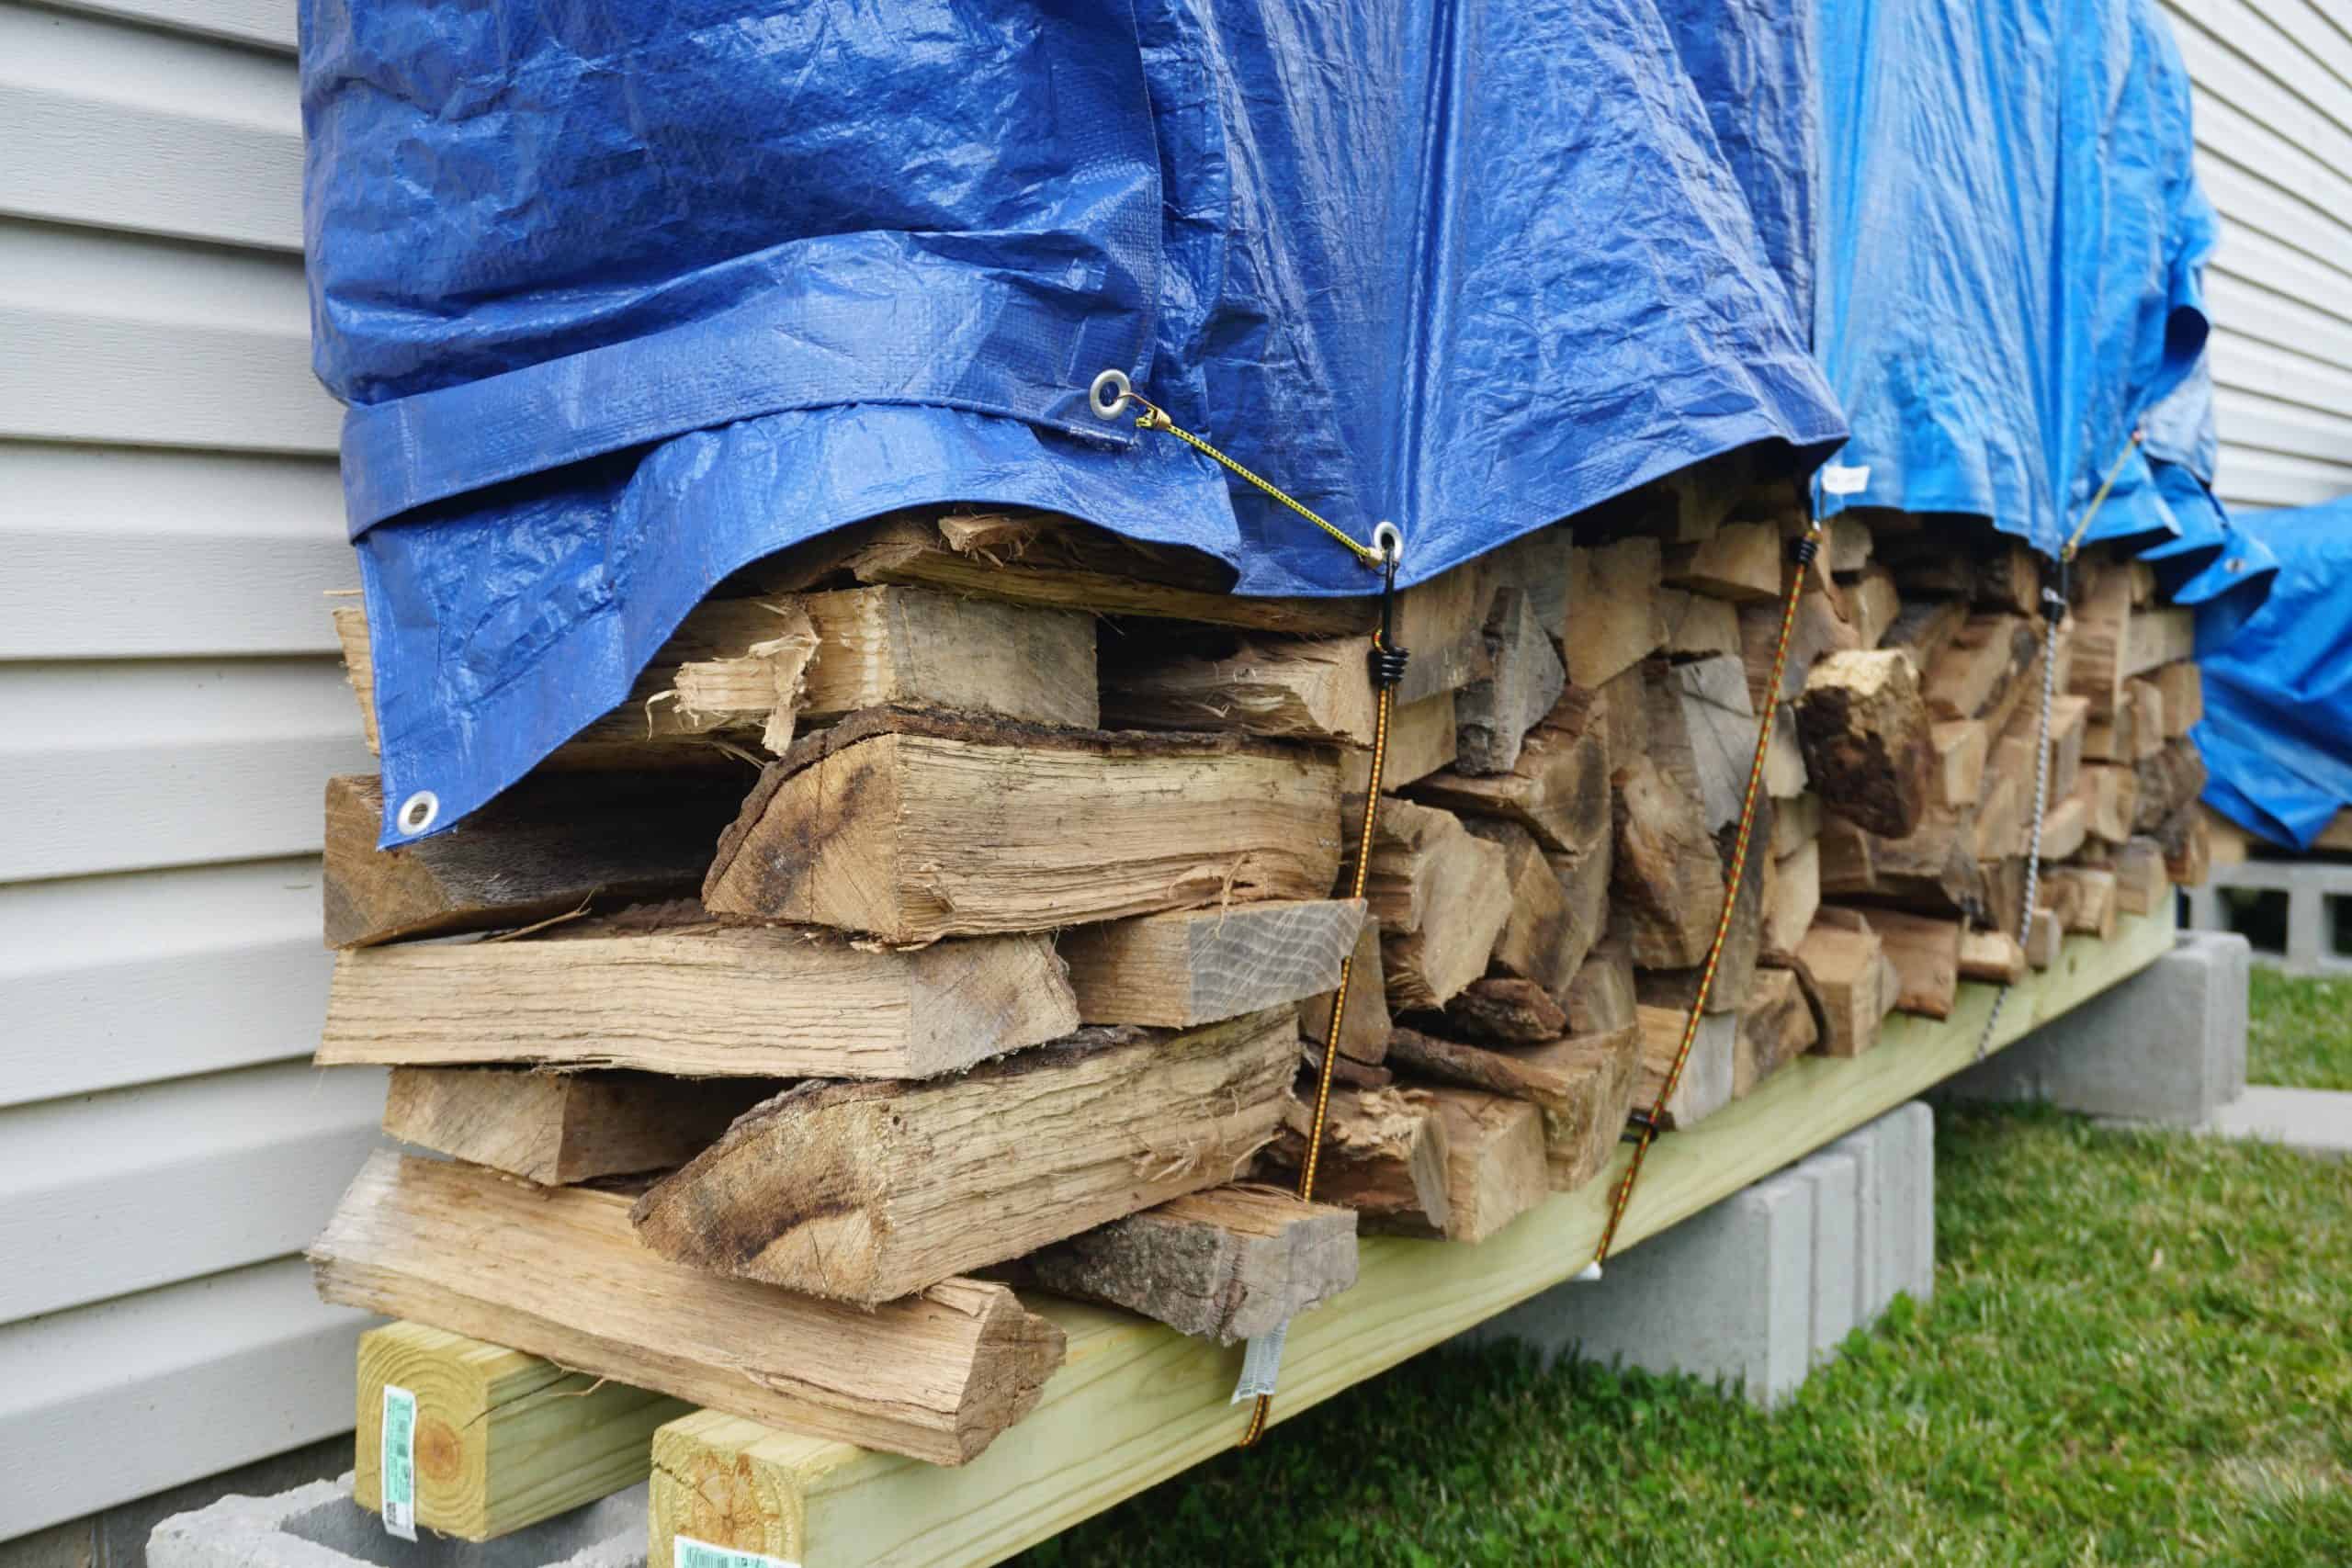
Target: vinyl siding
{"type": "Point", "coordinates": [170, 709]}
{"type": "Point", "coordinates": [2274, 151]}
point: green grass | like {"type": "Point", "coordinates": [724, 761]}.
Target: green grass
{"type": "Point", "coordinates": [2140, 1350]}
{"type": "Point", "coordinates": [2300, 1034]}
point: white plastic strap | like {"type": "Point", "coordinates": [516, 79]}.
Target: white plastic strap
{"type": "Point", "coordinates": [1262, 1363]}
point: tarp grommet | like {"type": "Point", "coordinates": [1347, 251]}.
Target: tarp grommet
{"type": "Point", "coordinates": [418, 812]}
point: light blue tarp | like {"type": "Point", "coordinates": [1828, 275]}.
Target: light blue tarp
{"type": "Point", "coordinates": [2277, 727]}
{"type": "Point", "coordinates": [624, 298]}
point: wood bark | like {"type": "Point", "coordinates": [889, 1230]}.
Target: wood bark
{"type": "Point", "coordinates": [1504, 1009]}
{"type": "Point", "coordinates": [1190, 966]}
{"type": "Point", "coordinates": [867, 1192]}
{"type": "Point", "coordinates": [556, 1272]}
{"type": "Point", "coordinates": [1864, 726]}
{"type": "Point", "coordinates": [914, 825]}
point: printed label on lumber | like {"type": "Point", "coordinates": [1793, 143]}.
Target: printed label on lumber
{"type": "Point", "coordinates": [693, 1553]}
{"type": "Point", "coordinates": [399, 1463]}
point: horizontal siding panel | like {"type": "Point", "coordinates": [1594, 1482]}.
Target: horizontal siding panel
{"type": "Point", "coordinates": [2248, 201]}
{"type": "Point", "coordinates": [130, 766]}
{"type": "Point", "coordinates": [116, 553]}
{"type": "Point", "coordinates": [2240, 28]}
{"type": "Point", "coordinates": [2264, 290]}
{"type": "Point", "coordinates": [115, 338]}
{"type": "Point", "coordinates": [266, 23]}
{"type": "Point", "coordinates": [132, 129]}
{"type": "Point", "coordinates": [2250, 476]}
{"type": "Point", "coordinates": [104, 1404]}
{"type": "Point", "coordinates": [2313, 33]}
{"type": "Point", "coordinates": [2277, 425]}
{"type": "Point", "coordinates": [118, 980]}
{"type": "Point", "coordinates": [2230, 81]}
{"type": "Point", "coordinates": [2282, 373]}
{"type": "Point", "coordinates": [2290, 152]}
{"type": "Point", "coordinates": [198, 1177]}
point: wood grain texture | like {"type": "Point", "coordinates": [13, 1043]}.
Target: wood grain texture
{"type": "Point", "coordinates": [1925, 951]}
{"type": "Point", "coordinates": [556, 1273]}
{"type": "Point", "coordinates": [1153, 1403]}
{"type": "Point", "coordinates": [1546, 936]}
{"type": "Point", "coordinates": [1776, 1027]}
{"type": "Point", "coordinates": [1442, 900]}
{"type": "Point", "coordinates": [1494, 715]}
{"type": "Point", "coordinates": [1421, 741]}
{"type": "Point", "coordinates": [1190, 966]}
{"type": "Point", "coordinates": [867, 1193]}
{"type": "Point", "coordinates": [502, 1439]}
{"type": "Point", "coordinates": [912, 827]}
{"type": "Point", "coordinates": [1319, 690]}
{"type": "Point", "coordinates": [559, 1128]}
{"type": "Point", "coordinates": [1363, 1027]}
{"type": "Point", "coordinates": [1613, 620]}
{"type": "Point", "coordinates": [706, 1000]}
{"type": "Point", "coordinates": [552, 844]}
{"type": "Point", "coordinates": [1705, 1086]}
{"type": "Point", "coordinates": [1494, 1164]}
{"type": "Point", "coordinates": [1384, 1156]}
{"type": "Point", "coordinates": [1584, 1085]}
{"type": "Point", "coordinates": [1228, 1263]}
{"type": "Point", "coordinates": [1666, 883]}
{"type": "Point", "coordinates": [1557, 789]}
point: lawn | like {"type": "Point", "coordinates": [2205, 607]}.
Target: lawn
{"type": "Point", "coordinates": [2140, 1350]}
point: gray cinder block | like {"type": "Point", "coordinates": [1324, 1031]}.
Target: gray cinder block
{"type": "Point", "coordinates": [2166, 1045]}
{"type": "Point", "coordinates": [1872, 1290]}
{"type": "Point", "coordinates": [1837, 1247]}
{"type": "Point", "coordinates": [319, 1526]}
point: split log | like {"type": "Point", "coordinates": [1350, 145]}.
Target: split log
{"type": "Point", "coordinates": [552, 845]}
{"type": "Point", "coordinates": [1583, 1084]}
{"type": "Point", "coordinates": [1700, 721]}
{"type": "Point", "coordinates": [1494, 715]}
{"type": "Point", "coordinates": [867, 1192]}
{"type": "Point", "coordinates": [1925, 628]}
{"type": "Point", "coordinates": [1792, 896]}
{"type": "Point", "coordinates": [1494, 1167]}
{"type": "Point", "coordinates": [1775, 1027]}
{"type": "Point", "coordinates": [1348, 1071]}
{"type": "Point", "coordinates": [2069, 728]}
{"type": "Point", "coordinates": [2084, 899]}
{"type": "Point", "coordinates": [1364, 1029]}
{"type": "Point", "coordinates": [1697, 626]}
{"type": "Point", "coordinates": [1503, 1007]}
{"type": "Point", "coordinates": [1558, 789]}
{"type": "Point", "coordinates": [1843, 966]}
{"type": "Point", "coordinates": [1821, 630]}
{"type": "Point", "coordinates": [1543, 941]}
{"type": "Point", "coordinates": [2044, 938]}
{"type": "Point", "coordinates": [2140, 885]}
{"type": "Point", "coordinates": [1229, 1264]}
{"type": "Point", "coordinates": [1613, 621]}
{"type": "Point", "coordinates": [1925, 955]}
{"type": "Point", "coordinates": [1665, 881]}
{"type": "Point", "coordinates": [1992, 956]}
{"type": "Point", "coordinates": [914, 825]}
{"type": "Point", "coordinates": [1421, 741]}
{"type": "Point", "coordinates": [1192, 967]}
{"type": "Point", "coordinates": [1442, 623]}
{"type": "Point", "coordinates": [2231, 844]}
{"type": "Point", "coordinates": [2066, 827]}
{"type": "Point", "coordinates": [562, 1128]}
{"type": "Point", "coordinates": [1872, 603]}
{"type": "Point", "coordinates": [2170, 782]}
{"type": "Point", "coordinates": [1960, 745]}
{"type": "Point", "coordinates": [1385, 1156]}
{"type": "Point", "coordinates": [1705, 1086]}
{"type": "Point", "coordinates": [1847, 541]}
{"type": "Point", "coordinates": [1982, 665]}
{"type": "Point", "coordinates": [1600, 999]}
{"type": "Point", "coordinates": [1583, 877]}
{"type": "Point", "coordinates": [556, 1272]}
{"type": "Point", "coordinates": [2182, 688]}
{"type": "Point", "coordinates": [696, 1000]}
{"type": "Point", "coordinates": [1316, 690]}
{"type": "Point", "coordinates": [1796, 822]}
{"type": "Point", "coordinates": [1865, 731]}
{"type": "Point", "coordinates": [2134, 732]}
{"type": "Point", "coordinates": [1442, 898]}
{"type": "Point", "coordinates": [2111, 798]}
{"type": "Point", "coordinates": [1740, 562]}
{"type": "Point", "coordinates": [2186, 838]}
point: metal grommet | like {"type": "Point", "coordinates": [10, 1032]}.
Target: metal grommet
{"type": "Point", "coordinates": [1389, 540]}
{"type": "Point", "coordinates": [1121, 391]}
{"type": "Point", "coordinates": [418, 812]}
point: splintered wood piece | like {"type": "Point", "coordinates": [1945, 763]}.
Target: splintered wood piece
{"type": "Point", "coordinates": [1600, 999]}
{"type": "Point", "coordinates": [1506, 1009]}
{"type": "Point", "coordinates": [867, 1193]}
{"type": "Point", "coordinates": [1743, 939]}
{"type": "Point", "coordinates": [1925, 954]}
{"type": "Point", "coordinates": [1558, 789]}
{"type": "Point", "coordinates": [552, 844]}
{"type": "Point", "coordinates": [2101, 624]}
{"type": "Point", "coordinates": [1495, 1168]}
{"type": "Point", "coordinates": [1843, 968]}
{"type": "Point", "coordinates": [2140, 885]}
{"type": "Point", "coordinates": [1597, 1076]}
{"type": "Point", "coordinates": [1705, 1086]}
{"type": "Point", "coordinates": [1229, 1263]}
{"type": "Point", "coordinates": [1961, 747]}
{"type": "Point", "coordinates": [1991, 956]}
{"type": "Point", "coordinates": [1314, 690]}
{"type": "Point", "coordinates": [1363, 1027]}
{"type": "Point", "coordinates": [1872, 603]}
{"type": "Point", "coordinates": [1741, 563]}
{"type": "Point", "coordinates": [1665, 881]}
{"type": "Point", "coordinates": [697, 1001]}
{"type": "Point", "coordinates": [2066, 827]}
{"type": "Point", "coordinates": [1384, 1156]}
{"type": "Point", "coordinates": [1984, 661]}
{"type": "Point", "coordinates": [1442, 898]}
{"type": "Point", "coordinates": [1421, 741]}
{"type": "Point", "coordinates": [1775, 1028]}
{"type": "Point", "coordinates": [2159, 637]}
{"type": "Point", "coordinates": [1348, 1070]}
{"type": "Point", "coordinates": [1696, 626]}
{"type": "Point", "coordinates": [2181, 687]}
{"type": "Point", "coordinates": [1058, 563]}
{"type": "Point", "coordinates": [1865, 731]}
{"type": "Point", "coordinates": [1821, 630]}
{"type": "Point", "coordinates": [2170, 782]}
{"type": "Point", "coordinates": [1545, 939]}
{"type": "Point", "coordinates": [502, 1439]}
{"type": "Point", "coordinates": [1584, 887]}
{"type": "Point", "coordinates": [2044, 938]}
{"type": "Point", "coordinates": [1493, 716]}
{"type": "Point", "coordinates": [1189, 967]}
{"type": "Point", "coordinates": [914, 825]}
{"type": "Point", "coordinates": [1555, 1074]}
{"type": "Point", "coordinates": [2084, 899]}
{"type": "Point", "coordinates": [1613, 620]}
{"type": "Point", "coordinates": [1790, 898]}
{"type": "Point", "coordinates": [2111, 798]}
{"type": "Point", "coordinates": [559, 1128]}
{"type": "Point", "coordinates": [555, 1271]}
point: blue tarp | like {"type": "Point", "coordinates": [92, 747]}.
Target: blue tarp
{"type": "Point", "coordinates": [623, 297]}
{"type": "Point", "coordinates": [2277, 727]}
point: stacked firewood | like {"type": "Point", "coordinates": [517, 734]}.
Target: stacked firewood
{"type": "Point", "coordinates": [949, 914]}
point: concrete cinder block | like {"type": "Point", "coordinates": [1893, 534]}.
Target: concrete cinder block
{"type": "Point", "coordinates": [1872, 1289]}
{"type": "Point", "coordinates": [2317, 893]}
{"type": "Point", "coordinates": [2166, 1045]}
{"type": "Point", "coordinates": [1908, 1203]}
{"type": "Point", "coordinates": [1725, 1295]}
{"type": "Point", "coordinates": [1836, 1247]}
{"type": "Point", "coordinates": [319, 1526]}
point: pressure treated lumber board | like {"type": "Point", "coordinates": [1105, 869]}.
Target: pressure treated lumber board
{"type": "Point", "coordinates": [502, 1439]}
{"type": "Point", "coordinates": [556, 1271]}
{"type": "Point", "coordinates": [1136, 1402]}
{"type": "Point", "coordinates": [910, 825]}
